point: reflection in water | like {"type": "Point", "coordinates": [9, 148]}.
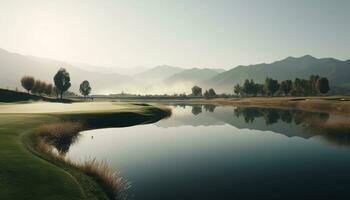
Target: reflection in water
{"type": "Point", "coordinates": [209, 107]}
{"type": "Point", "coordinates": [205, 153]}
{"type": "Point", "coordinates": [314, 123]}
{"type": "Point", "coordinates": [307, 123]}
{"type": "Point", "coordinates": [63, 144]}
{"type": "Point", "coordinates": [272, 115]}
{"type": "Point", "coordinates": [196, 109]}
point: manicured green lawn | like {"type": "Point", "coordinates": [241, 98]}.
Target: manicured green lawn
{"type": "Point", "coordinates": [26, 174]}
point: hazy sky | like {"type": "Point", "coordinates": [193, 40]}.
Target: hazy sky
{"type": "Point", "coordinates": [186, 33]}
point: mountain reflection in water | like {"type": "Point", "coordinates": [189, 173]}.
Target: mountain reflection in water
{"type": "Point", "coordinates": [205, 152]}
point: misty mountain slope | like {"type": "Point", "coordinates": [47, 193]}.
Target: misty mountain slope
{"type": "Point", "coordinates": [289, 68]}
{"type": "Point", "coordinates": [15, 66]}
{"type": "Point", "coordinates": [193, 75]}
{"type": "Point", "coordinates": [159, 73]}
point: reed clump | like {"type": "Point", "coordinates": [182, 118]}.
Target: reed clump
{"type": "Point", "coordinates": [60, 135]}
{"type": "Point", "coordinates": [114, 185]}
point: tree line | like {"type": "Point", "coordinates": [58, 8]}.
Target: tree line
{"type": "Point", "coordinates": [197, 91]}
{"type": "Point", "coordinates": [61, 85]}
{"type": "Point", "coordinates": [299, 87]}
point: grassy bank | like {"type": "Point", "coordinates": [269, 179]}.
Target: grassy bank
{"type": "Point", "coordinates": [16, 96]}
{"type": "Point", "coordinates": [27, 173]}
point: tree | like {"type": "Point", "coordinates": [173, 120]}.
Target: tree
{"type": "Point", "coordinates": [62, 81]}
{"type": "Point", "coordinates": [85, 88]}
{"type": "Point", "coordinates": [209, 93]}
{"type": "Point", "coordinates": [286, 86]}
{"type": "Point", "coordinates": [212, 92]}
{"type": "Point", "coordinates": [238, 90]}
{"type": "Point", "coordinates": [323, 85]}
{"type": "Point", "coordinates": [27, 83]}
{"type": "Point", "coordinates": [271, 86]}
{"type": "Point", "coordinates": [42, 87]}
{"type": "Point", "coordinates": [313, 83]}
{"type": "Point", "coordinates": [260, 89]}
{"type": "Point", "coordinates": [48, 89]}
{"type": "Point", "coordinates": [196, 91]}
{"type": "Point", "coordinates": [38, 87]}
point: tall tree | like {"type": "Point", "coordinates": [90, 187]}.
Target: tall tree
{"type": "Point", "coordinates": [27, 83]}
{"type": "Point", "coordinates": [85, 88]}
{"type": "Point", "coordinates": [271, 86]}
{"type": "Point", "coordinates": [237, 90]}
{"type": "Point", "coordinates": [196, 91]}
{"type": "Point", "coordinates": [323, 85]}
{"type": "Point", "coordinates": [286, 86]}
{"type": "Point", "coordinates": [62, 81]}
{"type": "Point", "coordinates": [313, 83]}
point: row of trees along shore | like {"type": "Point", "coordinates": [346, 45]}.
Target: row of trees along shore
{"type": "Point", "coordinates": [197, 91]}
{"type": "Point", "coordinates": [315, 85]}
{"type": "Point", "coordinates": [61, 81]}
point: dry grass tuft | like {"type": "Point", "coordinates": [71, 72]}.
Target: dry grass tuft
{"type": "Point", "coordinates": [59, 129]}
{"type": "Point", "coordinates": [112, 183]}
{"type": "Point", "coordinates": [60, 135]}
{"type": "Point", "coordinates": [115, 186]}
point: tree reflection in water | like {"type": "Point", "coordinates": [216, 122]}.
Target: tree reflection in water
{"type": "Point", "coordinates": [336, 131]}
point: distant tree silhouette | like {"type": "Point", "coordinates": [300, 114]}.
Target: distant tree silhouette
{"type": "Point", "coordinates": [323, 85]}
{"type": "Point", "coordinates": [38, 87]}
{"type": "Point", "coordinates": [212, 92]}
{"type": "Point", "coordinates": [85, 88]}
{"type": "Point", "coordinates": [196, 91]}
{"type": "Point", "coordinates": [48, 89]}
{"type": "Point", "coordinates": [62, 81]}
{"type": "Point", "coordinates": [313, 84]}
{"type": "Point", "coordinates": [286, 86]}
{"type": "Point", "coordinates": [238, 90]}
{"type": "Point", "coordinates": [271, 86]}
{"type": "Point", "coordinates": [28, 83]}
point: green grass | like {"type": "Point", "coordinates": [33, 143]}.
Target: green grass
{"type": "Point", "coordinates": [26, 173]}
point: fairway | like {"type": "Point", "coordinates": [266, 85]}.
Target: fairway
{"type": "Point", "coordinates": [24, 175]}
{"type": "Point", "coordinates": [45, 107]}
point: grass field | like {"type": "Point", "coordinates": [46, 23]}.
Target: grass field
{"type": "Point", "coordinates": [26, 173]}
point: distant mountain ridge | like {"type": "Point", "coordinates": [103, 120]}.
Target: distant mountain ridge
{"type": "Point", "coordinates": [194, 75]}
{"type": "Point", "coordinates": [170, 79]}
{"type": "Point", "coordinates": [336, 71]}
{"type": "Point", "coordinates": [14, 66]}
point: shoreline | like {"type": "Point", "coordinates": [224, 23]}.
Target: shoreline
{"type": "Point", "coordinates": [339, 105]}
{"type": "Point", "coordinates": [19, 136]}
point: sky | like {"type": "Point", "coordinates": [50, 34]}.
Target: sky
{"type": "Point", "coordinates": [186, 33]}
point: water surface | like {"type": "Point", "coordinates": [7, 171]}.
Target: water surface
{"type": "Point", "coordinates": [208, 152]}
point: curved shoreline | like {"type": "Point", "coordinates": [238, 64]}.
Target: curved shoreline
{"type": "Point", "coordinates": [55, 179]}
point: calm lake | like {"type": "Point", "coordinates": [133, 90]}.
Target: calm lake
{"type": "Point", "coordinates": [214, 152]}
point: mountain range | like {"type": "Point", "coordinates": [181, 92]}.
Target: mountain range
{"type": "Point", "coordinates": [168, 79]}
{"type": "Point", "coordinates": [337, 71]}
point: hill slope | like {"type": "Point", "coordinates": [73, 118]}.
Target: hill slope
{"type": "Point", "coordinates": [193, 75]}
{"type": "Point", "coordinates": [336, 71]}
{"type": "Point", "coordinates": [159, 73]}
